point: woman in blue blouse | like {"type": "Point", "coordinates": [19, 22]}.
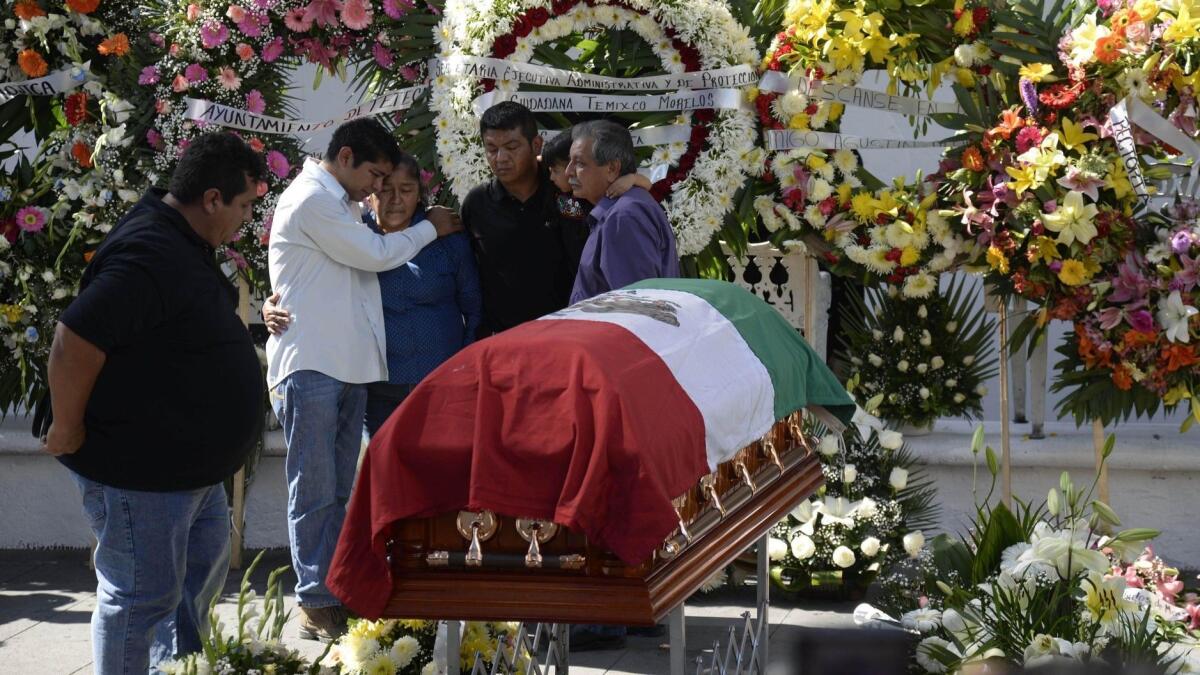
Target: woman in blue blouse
{"type": "Point", "coordinates": [431, 305]}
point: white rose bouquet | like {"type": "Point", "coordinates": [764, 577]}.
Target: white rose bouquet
{"type": "Point", "coordinates": [866, 517]}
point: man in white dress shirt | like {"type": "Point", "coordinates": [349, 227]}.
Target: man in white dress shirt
{"type": "Point", "coordinates": [323, 262]}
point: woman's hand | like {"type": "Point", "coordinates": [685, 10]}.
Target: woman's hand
{"type": "Point", "coordinates": [626, 183]}
{"type": "Point", "coordinates": [276, 317]}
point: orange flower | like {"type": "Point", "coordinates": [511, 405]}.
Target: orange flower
{"type": "Point", "coordinates": [1010, 121]}
{"type": "Point", "coordinates": [32, 63]}
{"type": "Point", "coordinates": [82, 152]}
{"type": "Point", "coordinates": [117, 45]}
{"type": "Point", "coordinates": [28, 9]}
{"type": "Point", "coordinates": [83, 6]}
{"type": "Point", "coordinates": [1178, 356]}
{"type": "Point", "coordinates": [1121, 378]}
{"type": "Point", "coordinates": [1121, 20]}
{"type": "Point", "coordinates": [1134, 339]}
{"type": "Point", "coordinates": [972, 159]}
{"type": "Point", "coordinates": [1108, 48]}
{"type": "Point", "coordinates": [88, 255]}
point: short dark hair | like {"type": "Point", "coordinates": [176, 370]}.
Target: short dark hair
{"type": "Point", "coordinates": [367, 138]}
{"type": "Point", "coordinates": [611, 142]}
{"type": "Point", "coordinates": [508, 115]}
{"type": "Point", "coordinates": [220, 160]}
{"type": "Point", "coordinates": [557, 150]}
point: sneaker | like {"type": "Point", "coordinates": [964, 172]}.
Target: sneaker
{"type": "Point", "coordinates": [323, 623]}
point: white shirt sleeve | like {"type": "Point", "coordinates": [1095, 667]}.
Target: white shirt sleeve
{"type": "Point", "coordinates": [333, 230]}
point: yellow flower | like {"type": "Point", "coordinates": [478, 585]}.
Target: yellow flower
{"type": "Point", "coordinates": [1118, 181]}
{"type": "Point", "coordinates": [1072, 273]}
{"type": "Point", "coordinates": [1023, 178]}
{"type": "Point", "coordinates": [1072, 220]}
{"type": "Point", "coordinates": [1147, 9]}
{"type": "Point", "coordinates": [1084, 38]}
{"type": "Point", "coordinates": [843, 192]}
{"type": "Point", "coordinates": [908, 256]}
{"type": "Point", "coordinates": [836, 110]}
{"type": "Point", "coordinates": [1184, 27]}
{"type": "Point", "coordinates": [965, 25]}
{"type": "Point", "coordinates": [964, 77]}
{"type": "Point", "coordinates": [751, 94]}
{"type": "Point", "coordinates": [815, 162]}
{"type": "Point", "coordinates": [1177, 394]}
{"type": "Point", "coordinates": [1037, 72]}
{"type": "Point", "coordinates": [997, 259]}
{"type": "Point", "coordinates": [12, 313]}
{"type": "Point", "coordinates": [862, 205]}
{"type": "Point", "coordinates": [1073, 135]}
{"type": "Point", "coordinates": [799, 121]}
{"type": "Point", "coordinates": [1047, 249]}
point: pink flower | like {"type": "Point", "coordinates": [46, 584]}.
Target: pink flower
{"type": "Point", "coordinates": [213, 34]}
{"type": "Point", "coordinates": [244, 51]}
{"type": "Point", "coordinates": [1028, 137]}
{"type": "Point", "coordinates": [154, 139]}
{"type": "Point", "coordinates": [31, 219]}
{"type": "Point", "coordinates": [356, 14]}
{"type": "Point", "coordinates": [278, 164]}
{"type": "Point", "coordinates": [1170, 589]}
{"type": "Point", "coordinates": [173, 50]}
{"type": "Point", "coordinates": [157, 40]}
{"type": "Point", "coordinates": [255, 102]}
{"type": "Point", "coordinates": [397, 8]}
{"type": "Point", "coordinates": [193, 12]}
{"type": "Point", "coordinates": [253, 24]}
{"type": "Point", "coordinates": [272, 50]}
{"type": "Point", "coordinates": [297, 20]}
{"type": "Point", "coordinates": [195, 73]}
{"type": "Point", "coordinates": [238, 259]}
{"type": "Point", "coordinates": [1193, 611]}
{"type": "Point", "coordinates": [322, 12]}
{"type": "Point", "coordinates": [162, 106]}
{"type": "Point", "coordinates": [382, 56]}
{"type": "Point", "coordinates": [149, 75]}
{"type": "Point", "coordinates": [180, 84]}
{"type": "Point", "coordinates": [229, 79]}
{"type": "Point", "coordinates": [410, 73]}
{"type": "Point", "coordinates": [236, 13]}
{"type": "Point", "coordinates": [1136, 33]}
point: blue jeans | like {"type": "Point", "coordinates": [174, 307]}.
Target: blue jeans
{"type": "Point", "coordinates": [161, 558]}
{"type": "Point", "coordinates": [322, 421]}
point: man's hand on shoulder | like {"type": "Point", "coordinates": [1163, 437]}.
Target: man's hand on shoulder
{"type": "Point", "coordinates": [62, 440]}
{"type": "Point", "coordinates": [444, 220]}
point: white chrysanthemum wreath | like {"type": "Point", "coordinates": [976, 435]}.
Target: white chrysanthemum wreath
{"type": "Point", "coordinates": [705, 173]}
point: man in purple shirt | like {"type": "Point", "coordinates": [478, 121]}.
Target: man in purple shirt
{"type": "Point", "coordinates": [630, 238]}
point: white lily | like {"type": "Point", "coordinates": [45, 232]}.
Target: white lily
{"type": "Point", "coordinates": [1175, 317]}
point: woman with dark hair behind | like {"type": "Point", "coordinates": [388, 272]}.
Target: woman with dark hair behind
{"type": "Point", "coordinates": [431, 305]}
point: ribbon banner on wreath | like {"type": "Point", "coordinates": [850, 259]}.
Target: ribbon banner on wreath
{"type": "Point", "coordinates": [706, 59]}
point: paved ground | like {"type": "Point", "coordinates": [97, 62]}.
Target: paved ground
{"type": "Point", "coordinates": [46, 601]}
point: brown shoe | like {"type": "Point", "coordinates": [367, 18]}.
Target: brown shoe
{"type": "Point", "coordinates": [323, 623]}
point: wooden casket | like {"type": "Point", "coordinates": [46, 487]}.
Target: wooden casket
{"type": "Point", "coordinates": [548, 475]}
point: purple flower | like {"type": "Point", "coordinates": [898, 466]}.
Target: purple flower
{"type": "Point", "coordinates": [382, 55]}
{"type": "Point", "coordinates": [397, 8]}
{"type": "Point", "coordinates": [278, 164]}
{"type": "Point", "coordinates": [1129, 284]}
{"type": "Point", "coordinates": [195, 73]}
{"type": "Point", "coordinates": [238, 259]}
{"type": "Point", "coordinates": [1181, 242]}
{"type": "Point", "coordinates": [31, 219]}
{"type": "Point", "coordinates": [154, 139]}
{"type": "Point", "coordinates": [1055, 266]}
{"type": "Point", "coordinates": [1189, 275]}
{"type": "Point", "coordinates": [157, 40]}
{"type": "Point", "coordinates": [213, 34]}
{"type": "Point", "coordinates": [255, 102]}
{"type": "Point", "coordinates": [272, 50]}
{"type": "Point", "coordinates": [252, 25]}
{"type": "Point", "coordinates": [1029, 95]}
{"type": "Point", "coordinates": [410, 73]}
{"type": "Point", "coordinates": [149, 75]}
{"type": "Point", "coordinates": [1141, 321]}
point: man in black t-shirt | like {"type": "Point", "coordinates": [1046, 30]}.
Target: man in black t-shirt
{"type": "Point", "coordinates": [157, 394]}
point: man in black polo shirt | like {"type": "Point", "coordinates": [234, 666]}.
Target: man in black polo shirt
{"type": "Point", "coordinates": [513, 222]}
{"type": "Point", "coordinates": [157, 399]}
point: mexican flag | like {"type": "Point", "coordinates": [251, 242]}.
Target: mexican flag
{"type": "Point", "coordinates": [594, 417]}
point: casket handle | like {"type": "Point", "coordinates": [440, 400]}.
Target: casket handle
{"type": "Point", "coordinates": [710, 488]}
{"type": "Point", "coordinates": [478, 527]}
{"type": "Point", "coordinates": [746, 477]}
{"type": "Point", "coordinates": [536, 532]}
{"type": "Point", "coordinates": [769, 445]}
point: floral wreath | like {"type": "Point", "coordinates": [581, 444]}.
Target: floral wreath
{"type": "Point", "coordinates": [707, 171]}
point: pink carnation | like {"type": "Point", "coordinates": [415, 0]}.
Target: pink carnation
{"type": "Point", "coordinates": [356, 14]}
{"type": "Point", "coordinates": [213, 34]}
{"type": "Point", "coordinates": [31, 219]}
{"type": "Point", "coordinates": [244, 51]}
{"type": "Point", "coordinates": [272, 50]}
{"type": "Point", "coordinates": [252, 25]}
{"type": "Point", "coordinates": [410, 73]}
{"type": "Point", "coordinates": [154, 139]}
{"type": "Point", "coordinates": [193, 12]}
{"type": "Point", "coordinates": [229, 79]}
{"type": "Point", "coordinates": [1028, 137]}
{"type": "Point", "coordinates": [255, 102]}
{"type": "Point", "coordinates": [278, 164]}
{"type": "Point", "coordinates": [149, 75]}
{"type": "Point", "coordinates": [236, 13]}
{"type": "Point", "coordinates": [195, 73]}
{"type": "Point", "coordinates": [180, 84]}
